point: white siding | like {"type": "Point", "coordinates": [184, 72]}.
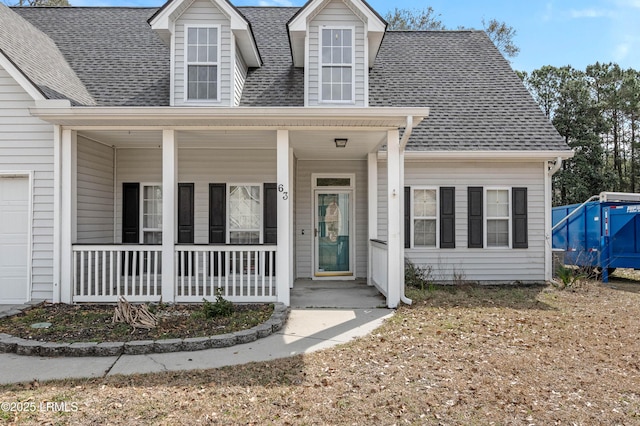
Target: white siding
{"type": "Point", "coordinates": [203, 12]}
{"type": "Point", "coordinates": [239, 77]}
{"type": "Point", "coordinates": [205, 166]}
{"type": "Point", "coordinates": [336, 14]}
{"type": "Point", "coordinates": [135, 165]}
{"type": "Point", "coordinates": [26, 144]}
{"type": "Point", "coordinates": [95, 192]}
{"type": "Point", "coordinates": [487, 264]}
{"type": "Point", "coordinates": [198, 166]}
{"type": "Point", "coordinates": [304, 213]}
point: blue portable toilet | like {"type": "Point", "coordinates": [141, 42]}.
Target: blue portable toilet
{"type": "Point", "coordinates": [602, 233]}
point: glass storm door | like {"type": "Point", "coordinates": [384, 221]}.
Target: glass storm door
{"type": "Point", "coordinates": [333, 233]}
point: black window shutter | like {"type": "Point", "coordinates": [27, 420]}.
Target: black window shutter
{"type": "Point", "coordinates": [519, 218]}
{"type": "Point", "coordinates": [185, 213]}
{"type": "Point", "coordinates": [475, 217]}
{"type": "Point", "coordinates": [131, 213]}
{"type": "Point", "coordinates": [217, 213]}
{"type": "Point", "coordinates": [447, 217]}
{"type": "Point", "coordinates": [407, 217]}
{"type": "Point", "coordinates": [270, 213]}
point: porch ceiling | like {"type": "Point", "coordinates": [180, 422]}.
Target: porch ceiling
{"type": "Point", "coordinates": [307, 144]}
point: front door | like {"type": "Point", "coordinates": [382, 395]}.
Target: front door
{"type": "Point", "coordinates": [333, 233]}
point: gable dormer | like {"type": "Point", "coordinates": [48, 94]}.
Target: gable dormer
{"type": "Point", "coordinates": [336, 41]}
{"type": "Point", "coordinates": [212, 46]}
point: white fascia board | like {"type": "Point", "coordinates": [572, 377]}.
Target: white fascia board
{"type": "Point", "coordinates": [20, 78]}
{"type": "Point", "coordinates": [247, 46]}
{"type": "Point", "coordinates": [483, 155]}
{"type": "Point", "coordinates": [173, 116]}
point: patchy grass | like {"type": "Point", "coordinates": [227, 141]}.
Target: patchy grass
{"type": "Point", "coordinates": [465, 355]}
{"type": "Point", "coordinates": [93, 323]}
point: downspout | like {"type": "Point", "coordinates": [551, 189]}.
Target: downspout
{"type": "Point", "coordinates": [555, 167]}
{"type": "Point", "coordinates": [548, 196]}
{"type": "Point", "coordinates": [403, 143]}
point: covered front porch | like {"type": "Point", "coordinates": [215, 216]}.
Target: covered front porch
{"type": "Point", "coordinates": [185, 213]}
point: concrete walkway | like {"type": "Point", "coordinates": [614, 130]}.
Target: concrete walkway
{"type": "Point", "coordinates": [305, 331]}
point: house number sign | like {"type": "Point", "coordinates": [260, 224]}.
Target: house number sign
{"type": "Point", "coordinates": [285, 194]}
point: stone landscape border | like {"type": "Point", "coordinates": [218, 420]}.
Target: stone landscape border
{"type": "Point", "coordinates": [17, 345]}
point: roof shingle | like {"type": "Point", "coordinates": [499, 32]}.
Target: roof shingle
{"type": "Point", "coordinates": [476, 100]}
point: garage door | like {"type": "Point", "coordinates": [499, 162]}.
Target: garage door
{"type": "Point", "coordinates": [14, 239]}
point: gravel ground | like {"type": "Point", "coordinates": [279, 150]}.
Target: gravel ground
{"type": "Point", "coordinates": [469, 355]}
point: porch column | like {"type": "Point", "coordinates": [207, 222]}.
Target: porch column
{"type": "Point", "coordinates": [372, 189]}
{"type": "Point", "coordinates": [68, 231]}
{"type": "Point", "coordinates": [394, 199]}
{"type": "Point", "coordinates": [169, 183]}
{"type": "Point", "coordinates": [283, 254]}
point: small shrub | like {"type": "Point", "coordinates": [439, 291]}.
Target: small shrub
{"type": "Point", "coordinates": [417, 276]}
{"type": "Point", "coordinates": [220, 308]}
{"type": "Point", "coordinates": [569, 277]}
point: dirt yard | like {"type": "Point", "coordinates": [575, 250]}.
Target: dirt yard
{"type": "Point", "coordinates": [521, 356]}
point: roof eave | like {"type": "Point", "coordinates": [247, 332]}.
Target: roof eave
{"type": "Point", "coordinates": [488, 155]}
{"type": "Point", "coordinates": [381, 117]}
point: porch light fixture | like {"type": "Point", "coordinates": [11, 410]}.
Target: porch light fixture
{"type": "Point", "coordinates": [341, 143]}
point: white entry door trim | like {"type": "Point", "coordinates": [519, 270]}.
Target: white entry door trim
{"type": "Point", "coordinates": [25, 294]}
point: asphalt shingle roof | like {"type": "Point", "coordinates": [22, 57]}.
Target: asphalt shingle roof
{"type": "Point", "coordinates": [477, 102]}
{"type": "Point", "coordinates": [40, 60]}
{"type": "Point", "coordinates": [113, 50]}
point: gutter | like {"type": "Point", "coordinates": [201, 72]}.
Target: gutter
{"type": "Point", "coordinates": [403, 143]}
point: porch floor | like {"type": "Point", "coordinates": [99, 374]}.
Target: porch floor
{"type": "Point", "coordinates": [335, 294]}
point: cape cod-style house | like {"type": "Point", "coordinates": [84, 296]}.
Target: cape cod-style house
{"type": "Point", "coordinates": [200, 147]}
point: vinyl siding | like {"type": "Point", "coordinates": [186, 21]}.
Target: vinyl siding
{"type": "Point", "coordinates": [198, 166]}
{"type": "Point", "coordinates": [135, 165]}
{"type": "Point", "coordinates": [304, 212]}
{"type": "Point", "coordinates": [336, 14]}
{"type": "Point", "coordinates": [26, 144]}
{"type": "Point", "coordinates": [95, 192]}
{"type": "Point", "coordinates": [204, 12]}
{"type": "Point", "coordinates": [239, 77]}
{"type": "Point", "coordinates": [486, 264]}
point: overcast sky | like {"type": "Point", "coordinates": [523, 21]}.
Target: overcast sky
{"type": "Point", "coordinates": [553, 32]}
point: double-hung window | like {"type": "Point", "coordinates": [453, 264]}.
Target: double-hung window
{"type": "Point", "coordinates": [245, 214]}
{"type": "Point", "coordinates": [430, 217]}
{"type": "Point", "coordinates": [151, 214]}
{"type": "Point", "coordinates": [498, 217]}
{"type": "Point", "coordinates": [202, 60]}
{"type": "Point", "coordinates": [337, 65]}
{"type": "Point", "coordinates": [425, 218]}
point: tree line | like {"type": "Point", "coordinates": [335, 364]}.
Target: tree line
{"type": "Point", "coordinates": [596, 111]}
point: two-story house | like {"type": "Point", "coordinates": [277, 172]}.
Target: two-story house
{"type": "Point", "coordinates": [176, 152]}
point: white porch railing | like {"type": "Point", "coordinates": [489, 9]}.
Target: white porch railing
{"type": "Point", "coordinates": [241, 273]}
{"type": "Point", "coordinates": [378, 259]}
{"type": "Point", "coordinates": [102, 273]}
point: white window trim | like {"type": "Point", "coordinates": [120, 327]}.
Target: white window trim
{"type": "Point", "coordinates": [186, 64]}
{"type": "Point", "coordinates": [228, 211]}
{"type": "Point", "coordinates": [413, 217]}
{"type": "Point", "coordinates": [486, 217]}
{"type": "Point", "coordinates": [142, 228]}
{"type": "Point", "coordinates": [353, 64]}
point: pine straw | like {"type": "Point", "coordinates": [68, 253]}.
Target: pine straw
{"type": "Point", "coordinates": [470, 356]}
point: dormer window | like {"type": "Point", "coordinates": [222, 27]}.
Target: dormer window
{"type": "Point", "coordinates": [202, 63]}
{"type": "Point", "coordinates": [337, 67]}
